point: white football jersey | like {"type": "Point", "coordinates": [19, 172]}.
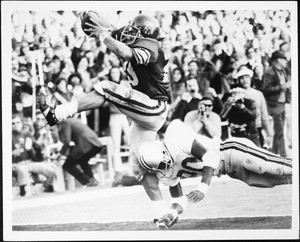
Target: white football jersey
{"type": "Point", "coordinates": [178, 140]}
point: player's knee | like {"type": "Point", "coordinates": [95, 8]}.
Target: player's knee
{"type": "Point", "coordinates": [103, 86]}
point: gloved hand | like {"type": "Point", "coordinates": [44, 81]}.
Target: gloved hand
{"type": "Point", "coordinates": [166, 221]}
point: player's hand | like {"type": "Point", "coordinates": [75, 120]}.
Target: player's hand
{"type": "Point", "coordinates": [97, 27]}
{"type": "Point", "coordinates": [166, 221]}
{"type": "Point", "coordinates": [195, 196]}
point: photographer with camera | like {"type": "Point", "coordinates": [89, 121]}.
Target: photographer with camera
{"type": "Point", "coordinates": [203, 120]}
{"type": "Point", "coordinates": [241, 114]}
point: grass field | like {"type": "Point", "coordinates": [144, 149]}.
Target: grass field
{"type": "Point", "coordinates": [229, 205]}
{"type": "Point", "coordinates": [245, 223]}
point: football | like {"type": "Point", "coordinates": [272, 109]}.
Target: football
{"type": "Point", "coordinates": [86, 18]}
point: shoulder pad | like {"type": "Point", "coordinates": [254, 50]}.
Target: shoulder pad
{"type": "Point", "coordinates": [150, 44]}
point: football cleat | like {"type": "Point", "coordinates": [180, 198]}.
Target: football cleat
{"type": "Point", "coordinates": [166, 222]}
{"type": "Point", "coordinates": [47, 108]}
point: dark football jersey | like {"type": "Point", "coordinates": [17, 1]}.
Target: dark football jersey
{"type": "Point", "coordinates": [151, 78]}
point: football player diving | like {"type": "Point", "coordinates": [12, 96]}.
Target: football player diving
{"type": "Point", "coordinates": [137, 45]}
{"type": "Point", "coordinates": [184, 153]}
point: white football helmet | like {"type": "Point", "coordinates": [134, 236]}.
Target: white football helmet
{"type": "Point", "coordinates": [155, 157]}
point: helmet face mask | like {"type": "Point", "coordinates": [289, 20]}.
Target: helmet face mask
{"type": "Point", "coordinates": [129, 34]}
{"type": "Point", "coordinates": [154, 157]}
{"type": "Point", "coordinates": [142, 26]}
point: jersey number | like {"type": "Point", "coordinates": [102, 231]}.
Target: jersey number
{"type": "Point", "coordinates": [189, 170]}
{"type": "Point", "coordinates": [134, 81]}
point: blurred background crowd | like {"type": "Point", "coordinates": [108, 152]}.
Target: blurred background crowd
{"type": "Point", "coordinates": [230, 75]}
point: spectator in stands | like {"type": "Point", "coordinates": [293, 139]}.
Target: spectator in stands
{"type": "Point", "coordinates": [193, 68]}
{"type": "Point", "coordinates": [241, 114]}
{"type": "Point", "coordinates": [189, 100]}
{"type": "Point", "coordinates": [28, 126]}
{"type": "Point", "coordinates": [42, 136]}
{"type": "Point", "coordinates": [220, 58]}
{"type": "Point", "coordinates": [252, 58]}
{"type": "Point", "coordinates": [81, 45]}
{"type": "Point", "coordinates": [286, 49]}
{"type": "Point", "coordinates": [178, 85]}
{"type": "Point", "coordinates": [203, 120]}
{"type": "Point", "coordinates": [217, 80]}
{"type": "Point", "coordinates": [82, 69]}
{"type": "Point", "coordinates": [55, 69]}
{"type": "Point", "coordinates": [262, 118]}
{"type": "Point", "coordinates": [176, 56]}
{"type": "Point", "coordinates": [258, 71]}
{"type": "Point", "coordinates": [86, 146]}
{"type": "Point", "coordinates": [24, 159]}
{"type": "Point", "coordinates": [277, 91]}
{"type": "Point", "coordinates": [76, 88]}
{"type": "Point", "coordinates": [205, 89]}
{"type": "Point", "coordinates": [62, 94]}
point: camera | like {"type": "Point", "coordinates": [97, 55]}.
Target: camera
{"type": "Point", "coordinates": [239, 101]}
{"type": "Point", "coordinates": [202, 109]}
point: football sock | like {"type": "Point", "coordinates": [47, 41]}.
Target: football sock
{"type": "Point", "coordinates": [64, 111]}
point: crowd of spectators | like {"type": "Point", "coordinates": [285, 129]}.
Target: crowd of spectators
{"type": "Point", "coordinates": [206, 51]}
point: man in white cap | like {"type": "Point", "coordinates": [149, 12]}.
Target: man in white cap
{"type": "Point", "coordinates": [262, 116]}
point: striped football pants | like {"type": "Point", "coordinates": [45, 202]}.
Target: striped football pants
{"type": "Point", "coordinates": [256, 166]}
{"type": "Point", "coordinates": [148, 115]}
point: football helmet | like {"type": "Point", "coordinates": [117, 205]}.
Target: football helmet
{"type": "Point", "coordinates": [142, 26]}
{"type": "Point", "coordinates": [155, 157]}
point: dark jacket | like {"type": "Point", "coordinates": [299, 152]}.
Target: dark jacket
{"type": "Point", "coordinates": [272, 87]}
{"type": "Point", "coordinates": [84, 138]}
{"type": "Point", "coordinates": [246, 115]}
{"type": "Point", "coordinates": [183, 107]}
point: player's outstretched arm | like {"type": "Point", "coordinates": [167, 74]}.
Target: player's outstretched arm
{"type": "Point", "coordinates": [210, 160]}
{"type": "Point", "coordinates": [150, 184]}
{"type": "Point", "coordinates": [99, 29]}
{"type": "Point", "coordinates": [197, 195]}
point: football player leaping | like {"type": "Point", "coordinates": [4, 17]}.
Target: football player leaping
{"type": "Point", "coordinates": [185, 153]}
{"type": "Point", "coordinates": [146, 66]}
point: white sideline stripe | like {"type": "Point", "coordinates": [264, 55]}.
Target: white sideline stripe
{"type": "Point", "coordinates": [96, 194]}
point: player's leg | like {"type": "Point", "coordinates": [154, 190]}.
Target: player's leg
{"type": "Point", "coordinates": [254, 165]}
{"type": "Point", "coordinates": [266, 180]}
{"type": "Point", "coordinates": [54, 115]}
{"type": "Point", "coordinates": [115, 127]}
{"type": "Point", "coordinates": [135, 105]}
{"type": "Point", "coordinates": [137, 135]}
{"type": "Point", "coordinates": [262, 161]}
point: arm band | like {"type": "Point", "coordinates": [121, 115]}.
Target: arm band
{"type": "Point", "coordinates": [182, 201]}
{"type": "Point", "coordinates": [160, 208]}
{"type": "Point", "coordinates": [211, 159]}
{"type": "Point", "coordinates": [203, 187]}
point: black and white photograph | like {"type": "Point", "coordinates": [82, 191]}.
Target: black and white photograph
{"type": "Point", "coordinates": [149, 120]}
